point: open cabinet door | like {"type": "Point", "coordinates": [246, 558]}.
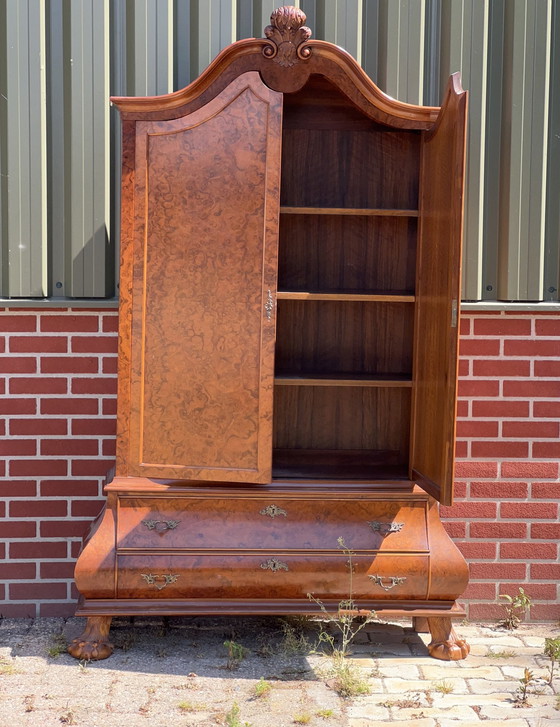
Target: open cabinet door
{"type": "Point", "coordinates": [437, 297]}
{"type": "Point", "coordinates": [202, 313]}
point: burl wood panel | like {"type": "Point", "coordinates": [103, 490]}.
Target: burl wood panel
{"type": "Point", "coordinates": [270, 575]}
{"type": "Point", "coordinates": [204, 284]}
{"type": "Point", "coordinates": [438, 290]}
{"type": "Point", "coordinates": [341, 253]}
{"type": "Point", "coordinates": [271, 522]}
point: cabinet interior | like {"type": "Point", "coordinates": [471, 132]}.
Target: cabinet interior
{"type": "Point", "coordinates": [346, 291]}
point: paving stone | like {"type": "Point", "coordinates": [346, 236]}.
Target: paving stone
{"type": "Point", "coordinates": [448, 700]}
{"type": "Point", "coordinates": [399, 686]}
{"type": "Point", "coordinates": [481, 672]}
{"type": "Point", "coordinates": [368, 711]}
{"type": "Point", "coordinates": [408, 671]}
{"type": "Point", "coordinates": [458, 712]}
{"type": "Point", "coordinates": [496, 640]}
{"type": "Point", "coordinates": [444, 722]}
{"type": "Point", "coordinates": [427, 722]}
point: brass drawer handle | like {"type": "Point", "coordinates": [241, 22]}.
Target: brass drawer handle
{"type": "Point", "coordinates": [385, 528]}
{"type": "Point", "coordinates": [274, 565]}
{"type": "Point", "coordinates": [394, 581]}
{"type": "Point", "coordinates": [152, 579]}
{"type": "Point", "coordinates": [160, 526]}
{"type": "Point", "coordinates": [273, 511]}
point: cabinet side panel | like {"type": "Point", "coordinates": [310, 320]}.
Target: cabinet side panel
{"type": "Point", "coordinates": [204, 280]}
{"type": "Point", "coordinates": [437, 296]}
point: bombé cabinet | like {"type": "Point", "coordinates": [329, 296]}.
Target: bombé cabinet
{"type": "Point", "coordinates": [287, 347]}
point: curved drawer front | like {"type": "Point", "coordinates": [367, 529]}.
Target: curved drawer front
{"type": "Point", "coordinates": [271, 576]}
{"type": "Point", "coordinates": [264, 523]}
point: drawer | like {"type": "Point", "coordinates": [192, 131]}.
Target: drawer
{"type": "Point", "coordinates": [271, 576]}
{"type": "Point", "coordinates": [265, 523]}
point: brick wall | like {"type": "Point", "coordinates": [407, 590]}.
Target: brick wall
{"type": "Point", "coordinates": [58, 387]}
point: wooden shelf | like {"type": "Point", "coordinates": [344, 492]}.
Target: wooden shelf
{"type": "Point", "coordinates": [385, 297]}
{"type": "Point", "coordinates": [337, 464]}
{"type": "Point", "coordinates": [350, 211]}
{"type": "Point", "coordinates": [360, 380]}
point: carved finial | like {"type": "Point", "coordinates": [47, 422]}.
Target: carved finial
{"type": "Point", "coordinates": [287, 35]}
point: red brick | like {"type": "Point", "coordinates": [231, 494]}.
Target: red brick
{"type": "Point", "coordinates": [502, 327]}
{"type": "Point", "coordinates": [548, 326]}
{"type": "Point", "coordinates": [499, 490]}
{"type": "Point", "coordinates": [464, 326]}
{"type": "Point", "coordinates": [477, 551]}
{"type": "Point", "coordinates": [500, 409]}
{"type": "Point", "coordinates": [94, 344]}
{"type": "Point", "coordinates": [548, 368]}
{"type": "Point", "coordinates": [38, 344]}
{"type": "Point", "coordinates": [70, 447]}
{"type": "Point", "coordinates": [39, 508]}
{"type": "Point", "coordinates": [108, 448]}
{"type": "Point", "coordinates": [476, 469]}
{"type": "Point", "coordinates": [545, 571]}
{"type": "Point", "coordinates": [110, 324]}
{"type": "Point", "coordinates": [531, 429]}
{"type": "Point", "coordinates": [94, 427]}
{"type": "Point", "coordinates": [498, 571]}
{"type": "Point", "coordinates": [2, 344]}
{"type": "Point", "coordinates": [18, 406]}
{"type": "Point", "coordinates": [543, 388]}
{"type": "Point", "coordinates": [16, 323]}
{"type": "Point", "coordinates": [479, 347]}
{"type": "Point", "coordinates": [94, 386]}
{"type": "Point", "coordinates": [109, 407]}
{"type": "Point", "coordinates": [541, 612]}
{"type": "Point", "coordinates": [18, 610]}
{"type": "Point", "coordinates": [87, 508]}
{"type": "Point", "coordinates": [69, 323]}
{"type": "Point", "coordinates": [37, 591]}
{"type": "Point", "coordinates": [38, 385]}
{"type": "Point", "coordinates": [69, 365]}
{"type": "Point", "coordinates": [529, 510]}
{"type": "Point", "coordinates": [69, 405]}
{"type": "Point", "coordinates": [18, 488]}
{"type": "Point", "coordinates": [531, 348]}
{"type": "Point", "coordinates": [17, 571]}
{"type": "Point", "coordinates": [546, 450]}
{"type": "Point", "coordinates": [70, 488]}
{"type": "Point", "coordinates": [75, 548]}
{"type": "Point", "coordinates": [475, 388]}
{"type": "Point", "coordinates": [18, 447]}
{"type": "Point", "coordinates": [462, 409]}
{"type": "Point", "coordinates": [469, 510]}
{"type": "Point", "coordinates": [529, 551]}
{"type": "Point", "coordinates": [64, 528]}
{"type": "Point", "coordinates": [18, 529]}
{"type": "Point", "coordinates": [38, 468]}
{"type": "Point", "coordinates": [541, 591]}
{"type": "Point", "coordinates": [499, 449]}
{"type": "Point", "coordinates": [473, 428]}
{"type": "Point", "coordinates": [38, 426]}
{"type": "Point", "coordinates": [91, 467]}
{"type": "Point", "coordinates": [459, 490]}
{"type": "Point", "coordinates": [455, 529]}
{"type": "Point", "coordinates": [110, 365]}
{"type": "Point", "coordinates": [57, 610]}
{"type": "Point", "coordinates": [529, 470]}
{"type": "Point", "coordinates": [461, 449]}
{"type": "Point", "coordinates": [546, 490]}
{"type": "Point", "coordinates": [546, 409]}
{"type": "Point", "coordinates": [547, 531]}
{"type": "Point", "coordinates": [18, 365]}
{"type": "Point", "coordinates": [485, 612]}
{"type": "Point", "coordinates": [499, 530]}
{"type": "Point", "coordinates": [57, 570]}
{"type": "Point", "coordinates": [482, 591]}
{"type": "Point", "coordinates": [501, 367]}
{"type": "Point", "coordinates": [37, 550]}
{"type": "Point", "coordinates": [464, 367]}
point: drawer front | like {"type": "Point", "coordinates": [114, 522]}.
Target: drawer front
{"type": "Point", "coordinates": [261, 524]}
{"type": "Point", "coordinates": [271, 576]}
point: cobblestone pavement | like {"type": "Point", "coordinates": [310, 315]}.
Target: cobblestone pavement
{"type": "Point", "coordinates": [174, 672]}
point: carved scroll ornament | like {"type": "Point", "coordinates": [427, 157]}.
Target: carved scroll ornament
{"type": "Point", "coordinates": [287, 36]}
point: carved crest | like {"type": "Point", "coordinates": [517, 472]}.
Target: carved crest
{"type": "Point", "coordinates": [287, 36]}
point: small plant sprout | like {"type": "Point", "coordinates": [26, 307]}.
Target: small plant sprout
{"type": "Point", "coordinates": [262, 688]}
{"type": "Point", "coordinates": [515, 606]}
{"type": "Point", "coordinates": [57, 647]}
{"type": "Point", "coordinates": [232, 717]}
{"type": "Point", "coordinates": [324, 713]}
{"type": "Point", "coordinates": [304, 718]}
{"type": "Point", "coordinates": [522, 692]}
{"type": "Point", "coordinates": [552, 650]}
{"type": "Point", "coordinates": [443, 687]}
{"type": "Point", "coordinates": [502, 654]}
{"type": "Point", "coordinates": [236, 654]}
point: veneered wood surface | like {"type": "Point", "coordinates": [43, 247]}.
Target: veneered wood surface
{"type": "Point", "coordinates": [438, 285]}
{"type": "Point", "coordinates": [235, 524]}
{"type": "Point", "coordinates": [206, 206]}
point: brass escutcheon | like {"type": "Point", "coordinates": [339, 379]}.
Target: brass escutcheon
{"type": "Point", "coordinates": [394, 581]}
{"type": "Point", "coordinates": [151, 579]}
{"type": "Point", "coordinates": [273, 511]}
{"type": "Point", "coordinates": [160, 526]}
{"type": "Point", "coordinates": [269, 305]}
{"type": "Point", "coordinates": [385, 528]}
{"type": "Point", "coordinates": [274, 565]}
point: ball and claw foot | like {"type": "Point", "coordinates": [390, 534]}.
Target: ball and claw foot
{"type": "Point", "coordinates": [93, 644]}
{"type": "Point", "coordinates": [445, 644]}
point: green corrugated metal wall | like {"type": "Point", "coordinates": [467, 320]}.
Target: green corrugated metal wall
{"type": "Point", "coordinates": [61, 59]}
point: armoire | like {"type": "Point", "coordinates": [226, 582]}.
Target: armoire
{"type": "Point", "coordinates": [289, 286]}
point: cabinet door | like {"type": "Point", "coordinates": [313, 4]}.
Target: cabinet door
{"type": "Point", "coordinates": [438, 291]}
{"type": "Point", "coordinates": [205, 231]}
